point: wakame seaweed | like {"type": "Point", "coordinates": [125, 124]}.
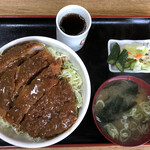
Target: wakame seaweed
{"type": "Point", "coordinates": [117, 104]}
{"type": "Point", "coordinates": [115, 83]}
{"type": "Point", "coordinates": [114, 108]}
{"type": "Point", "coordinates": [132, 90]}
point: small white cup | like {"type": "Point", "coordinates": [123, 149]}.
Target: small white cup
{"type": "Point", "coordinates": [76, 42]}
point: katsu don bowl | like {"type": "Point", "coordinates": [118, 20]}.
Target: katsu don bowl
{"type": "Point", "coordinates": [45, 91]}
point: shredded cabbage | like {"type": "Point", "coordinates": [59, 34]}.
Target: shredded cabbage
{"type": "Point", "coordinates": [136, 49]}
{"type": "Point", "coordinates": [70, 72]}
{"type": "Point", "coordinates": [4, 124]}
{"type": "Point", "coordinates": [145, 65]}
{"type": "Point", "coordinates": [141, 53]}
{"type": "Point", "coordinates": [138, 66]}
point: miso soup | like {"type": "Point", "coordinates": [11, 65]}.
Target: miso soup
{"type": "Point", "coordinates": [122, 111]}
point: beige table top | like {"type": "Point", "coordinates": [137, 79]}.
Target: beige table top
{"type": "Point", "coordinates": [96, 8]}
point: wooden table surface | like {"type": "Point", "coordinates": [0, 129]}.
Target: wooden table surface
{"type": "Point", "coordinates": [36, 8]}
{"type": "Point", "coordinates": [95, 7]}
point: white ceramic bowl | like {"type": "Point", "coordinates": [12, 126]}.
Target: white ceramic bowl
{"type": "Point", "coordinates": [10, 136]}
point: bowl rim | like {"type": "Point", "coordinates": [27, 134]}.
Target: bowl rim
{"type": "Point", "coordinates": [86, 101]}
{"type": "Point", "coordinates": [120, 77]}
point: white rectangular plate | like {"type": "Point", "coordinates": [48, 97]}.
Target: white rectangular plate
{"type": "Point", "coordinates": [121, 43]}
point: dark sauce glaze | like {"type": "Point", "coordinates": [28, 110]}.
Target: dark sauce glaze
{"type": "Point", "coordinates": [44, 105]}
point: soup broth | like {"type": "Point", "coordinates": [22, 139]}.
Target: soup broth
{"type": "Point", "coordinates": [122, 110]}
